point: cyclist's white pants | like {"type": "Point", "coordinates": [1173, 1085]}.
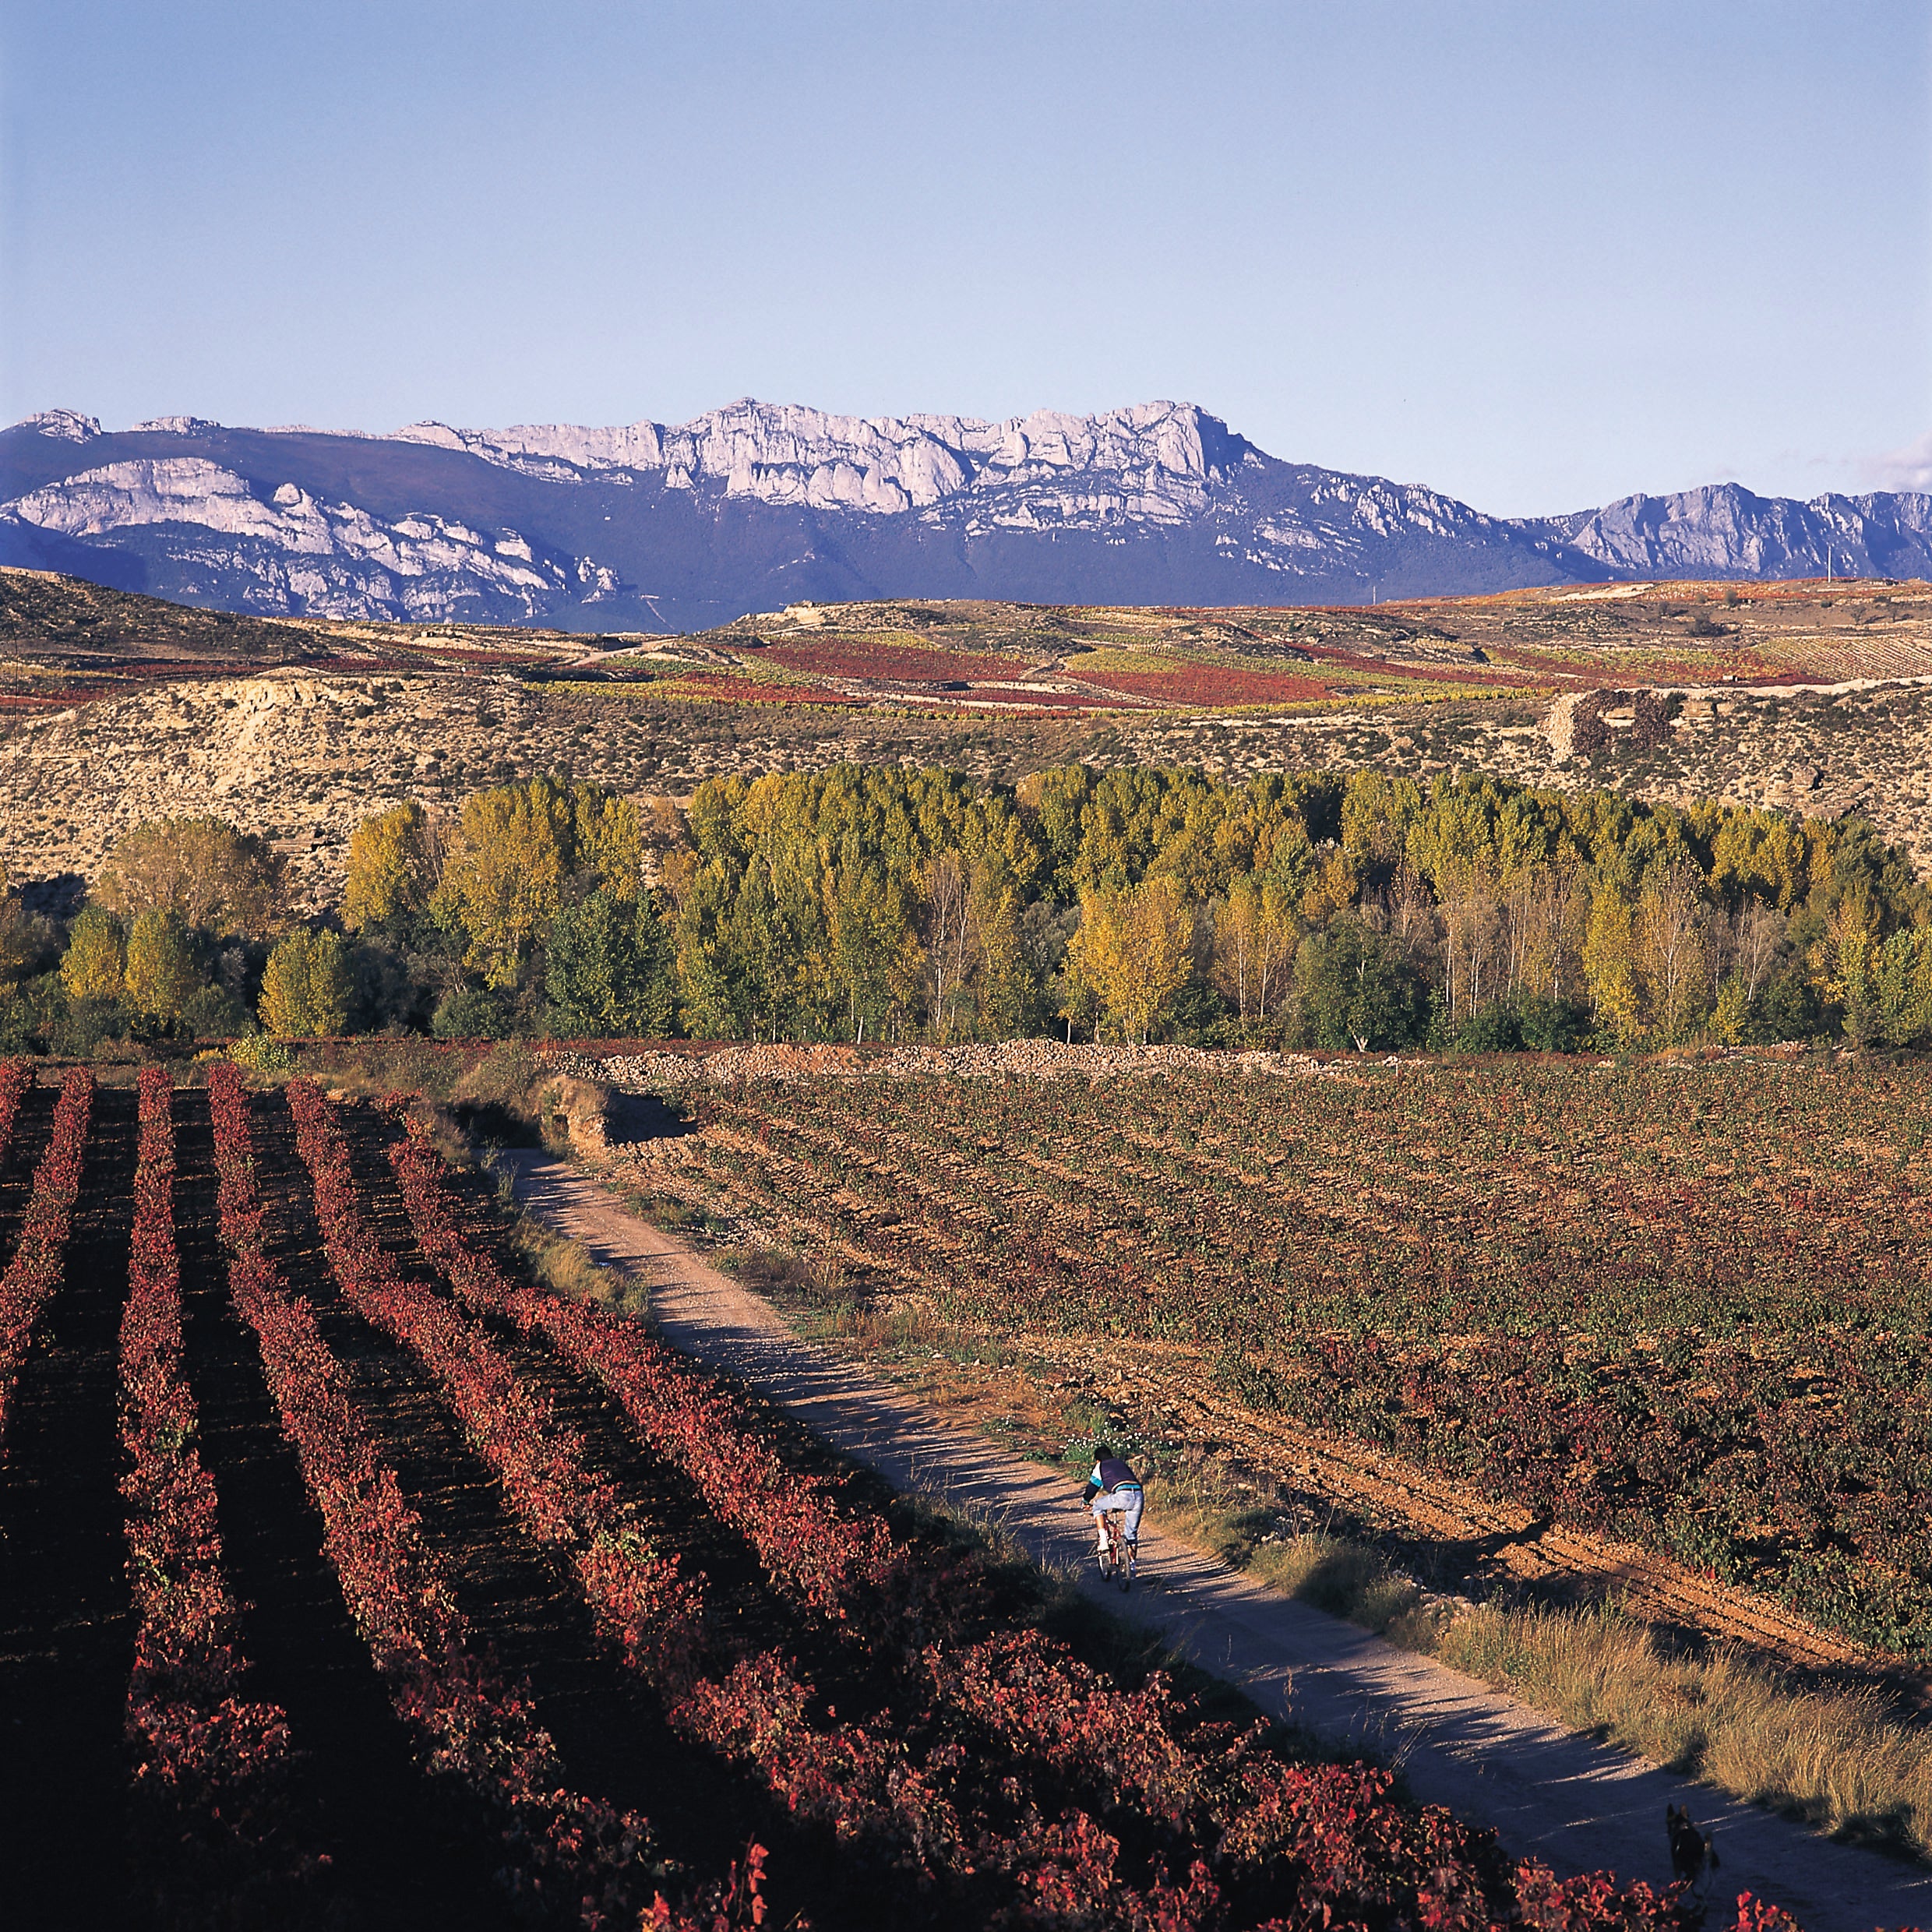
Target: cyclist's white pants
{"type": "Point", "coordinates": [1127, 1504]}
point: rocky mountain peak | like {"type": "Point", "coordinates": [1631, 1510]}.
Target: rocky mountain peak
{"type": "Point", "coordinates": [63, 423]}
{"type": "Point", "coordinates": [785, 453]}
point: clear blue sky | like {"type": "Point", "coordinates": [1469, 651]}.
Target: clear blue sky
{"type": "Point", "coordinates": [1538, 256]}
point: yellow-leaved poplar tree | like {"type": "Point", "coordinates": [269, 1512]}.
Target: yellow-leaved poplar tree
{"type": "Point", "coordinates": [1255, 936]}
{"type": "Point", "coordinates": [160, 972]}
{"type": "Point", "coordinates": [92, 967]}
{"type": "Point", "coordinates": [1671, 939]}
{"type": "Point", "coordinates": [392, 866]}
{"type": "Point", "coordinates": [1610, 964]}
{"type": "Point", "coordinates": [515, 850]}
{"type": "Point", "coordinates": [306, 987]}
{"type": "Point", "coordinates": [1844, 964]}
{"type": "Point", "coordinates": [1132, 952]}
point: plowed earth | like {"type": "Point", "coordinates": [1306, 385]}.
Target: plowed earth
{"type": "Point", "coordinates": [1205, 1225]}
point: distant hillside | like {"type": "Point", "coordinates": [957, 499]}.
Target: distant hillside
{"type": "Point", "coordinates": [1781, 695]}
{"type": "Point", "coordinates": [755, 506]}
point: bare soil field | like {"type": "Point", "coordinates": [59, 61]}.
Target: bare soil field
{"type": "Point", "coordinates": [1599, 1331]}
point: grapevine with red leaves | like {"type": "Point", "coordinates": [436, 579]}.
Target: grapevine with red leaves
{"type": "Point", "coordinates": [35, 1272]}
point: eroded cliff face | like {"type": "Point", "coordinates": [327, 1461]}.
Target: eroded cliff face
{"type": "Point", "coordinates": [1725, 531]}
{"type": "Point", "coordinates": [1155, 461]}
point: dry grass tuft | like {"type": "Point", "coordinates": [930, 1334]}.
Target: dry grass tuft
{"type": "Point", "coordinates": [567, 1268]}
{"type": "Point", "coordinates": [1840, 1759]}
{"type": "Point", "coordinates": [1843, 1760]}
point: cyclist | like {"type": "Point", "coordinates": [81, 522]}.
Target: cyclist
{"type": "Point", "coordinates": [1113, 1488]}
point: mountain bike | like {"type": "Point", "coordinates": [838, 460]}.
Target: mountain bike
{"type": "Point", "coordinates": [1118, 1559]}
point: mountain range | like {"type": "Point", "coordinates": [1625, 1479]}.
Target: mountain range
{"type": "Point", "coordinates": [757, 505]}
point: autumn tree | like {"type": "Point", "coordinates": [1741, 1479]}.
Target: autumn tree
{"type": "Point", "coordinates": [307, 985]}
{"type": "Point", "coordinates": [161, 973]}
{"type": "Point", "coordinates": [1845, 964]}
{"type": "Point", "coordinates": [876, 963]}
{"type": "Point", "coordinates": [393, 857]}
{"type": "Point", "coordinates": [91, 969]}
{"type": "Point", "coordinates": [215, 878]}
{"type": "Point", "coordinates": [1255, 933]}
{"type": "Point", "coordinates": [1670, 950]}
{"type": "Point", "coordinates": [1610, 964]}
{"type": "Point", "coordinates": [517, 851]}
{"type": "Point", "coordinates": [1133, 953]}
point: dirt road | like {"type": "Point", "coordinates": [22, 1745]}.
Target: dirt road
{"type": "Point", "coordinates": [1547, 1792]}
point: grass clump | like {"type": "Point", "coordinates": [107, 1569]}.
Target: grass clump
{"type": "Point", "coordinates": [1843, 1760]}
{"type": "Point", "coordinates": [1840, 1759]}
{"type": "Point", "coordinates": [567, 1268]}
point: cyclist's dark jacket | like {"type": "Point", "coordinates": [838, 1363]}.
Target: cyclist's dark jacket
{"type": "Point", "coordinates": [1114, 1475]}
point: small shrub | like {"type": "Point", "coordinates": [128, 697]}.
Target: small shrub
{"type": "Point", "coordinates": [475, 1012]}
{"type": "Point", "coordinates": [261, 1054]}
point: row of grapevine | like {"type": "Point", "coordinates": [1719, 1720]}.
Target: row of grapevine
{"type": "Point", "coordinates": [809, 1549]}
{"type": "Point", "coordinates": [211, 1762]}
{"type": "Point", "coordinates": [1101, 1794]}
{"type": "Point", "coordinates": [557, 1845]}
{"type": "Point", "coordinates": [641, 1599]}
{"type": "Point", "coordinates": [36, 1269]}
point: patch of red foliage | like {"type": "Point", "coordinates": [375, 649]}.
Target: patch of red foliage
{"type": "Point", "coordinates": [15, 1077]}
{"type": "Point", "coordinates": [905, 664]}
{"type": "Point", "coordinates": [214, 1761]}
{"type": "Point", "coordinates": [38, 1267]}
{"type": "Point", "coordinates": [643, 1604]}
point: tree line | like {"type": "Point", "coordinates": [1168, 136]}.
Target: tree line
{"type": "Point", "coordinates": [1303, 909]}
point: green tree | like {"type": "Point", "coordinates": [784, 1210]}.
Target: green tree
{"type": "Point", "coordinates": [1902, 977]}
{"type": "Point", "coordinates": [307, 985]}
{"type": "Point", "coordinates": [1355, 990]}
{"type": "Point", "coordinates": [607, 969]}
{"type": "Point", "coordinates": [161, 973]}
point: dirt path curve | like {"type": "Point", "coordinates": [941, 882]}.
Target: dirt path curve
{"type": "Point", "coordinates": [1550, 1793]}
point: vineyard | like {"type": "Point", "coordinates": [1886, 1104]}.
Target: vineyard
{"type": "Point", "coordinates": [1681, 1308]}
{"type": "Point", "coordinates": [353, 1580]}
